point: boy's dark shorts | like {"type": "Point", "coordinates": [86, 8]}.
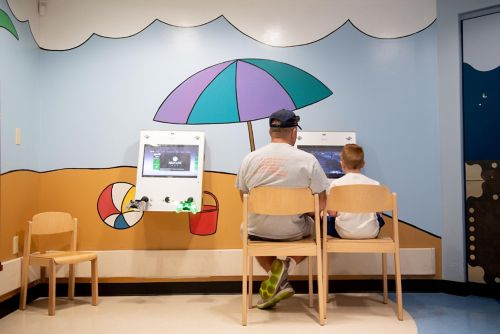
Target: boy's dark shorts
{"type": "Point", "coordinates": [252, 237]}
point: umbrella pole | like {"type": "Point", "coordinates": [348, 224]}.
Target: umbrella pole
{"type": "Point", "coordinates": [250, 136]}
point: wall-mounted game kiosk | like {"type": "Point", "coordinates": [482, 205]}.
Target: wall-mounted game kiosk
{"type": "Point", "coordinates": [326, 147]}
{"type": "Point", "coordinates": [170, 171]}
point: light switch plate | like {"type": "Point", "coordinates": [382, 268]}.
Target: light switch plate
{"type": "Point", "coordinates": [15, 244]}
{"type": "Point", "coordinates": [18, 136]}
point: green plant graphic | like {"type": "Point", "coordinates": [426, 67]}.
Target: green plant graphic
{"type": "Point", "coordinates": [7, 24]}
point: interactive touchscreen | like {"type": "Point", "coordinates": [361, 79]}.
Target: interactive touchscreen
{"type": "Point", "coordinates": [328, 157]}
{"type": "Point", "coordinates": [170, 161]}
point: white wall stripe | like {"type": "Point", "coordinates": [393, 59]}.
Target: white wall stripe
{"type": "Point", "coordinates": [209, 263]}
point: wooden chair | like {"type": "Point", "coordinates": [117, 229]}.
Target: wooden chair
{"type": "Point", "coordinates": [48, 223]}
{"type": "Point", "coordinates": [280, 201]}
{"type": "Point", "coordinates": [362, 199]}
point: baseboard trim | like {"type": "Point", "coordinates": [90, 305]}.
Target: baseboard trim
{"type": "Point", "coordinates": [11, 304]}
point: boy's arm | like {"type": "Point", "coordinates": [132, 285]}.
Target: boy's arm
{"type": "Point", "coordinates": [322, 204]}
{"type": "Point", "coordinates": [332, 213]}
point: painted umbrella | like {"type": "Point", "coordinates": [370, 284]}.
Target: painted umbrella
{"type": "Point", "coordinates": [240, 90]}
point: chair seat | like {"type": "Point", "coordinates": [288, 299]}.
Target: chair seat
{"type": "Point", "coordinates": [303, 247]}
{"type": "Point", "coordinates": [382, 245]}
{"type": "Point", "coordinates": [64, 257]}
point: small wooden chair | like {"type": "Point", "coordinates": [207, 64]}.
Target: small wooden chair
{"type": "Point", "coordinates": [53, 223]}
{"type": "Point", "coordinates": [280, 201]}
{"type": "Point", "coordinates": [361, 199]}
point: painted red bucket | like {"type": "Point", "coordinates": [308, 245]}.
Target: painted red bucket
{"type": "Point", "coordinates": [205, 221]}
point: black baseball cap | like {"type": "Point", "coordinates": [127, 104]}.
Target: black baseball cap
{"type": "Point", "coordinates": [284, 119]}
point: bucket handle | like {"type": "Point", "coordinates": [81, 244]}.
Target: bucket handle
{"type": "Point", "coordinates": [214, 198]}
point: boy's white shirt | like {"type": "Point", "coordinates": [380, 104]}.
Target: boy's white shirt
{"type": "Point", "coordinates": [355, 225]}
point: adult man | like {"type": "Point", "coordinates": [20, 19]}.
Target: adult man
{"type": "Point", "coordinates": [280, 164]}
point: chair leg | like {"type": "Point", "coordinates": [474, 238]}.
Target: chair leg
{"type": "Point", "coordinates": [384, 274]}
{"type": "Point", "coordinates": [24, 283]}
{"type": "Point", "coordinates": [325, 277]}
{"type": "Point", "coordinates": [399, 292]}
{"type": "Point", "coordinates": [244, 289]}
{"type": "Point", "coordinates": [71, 282]}
{"type": "Point", "coordinates": [52, 288]}
{"type": "Point", "coordinates": [321, 291]}
{"type": "Point", "coordinates": [310, 269]}
{"type": "Point", "coordinates": [250, 282]}
{"type": "Point", "coordinates": [94, 278]}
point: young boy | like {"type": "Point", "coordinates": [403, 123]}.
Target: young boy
{"type": "Point", "coordinates": [353, 225]}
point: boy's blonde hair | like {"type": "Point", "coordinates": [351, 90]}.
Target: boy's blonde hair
{"type": "Point", "coordinates": [353, 156]}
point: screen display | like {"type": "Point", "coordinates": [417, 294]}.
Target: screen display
{"type": "Point", "coordinates": [328, 157]}
{"type": "Point", "coordinates": [170, 161]}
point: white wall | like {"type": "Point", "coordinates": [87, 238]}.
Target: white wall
{"type": "Point", "coordinates": [210, 264]}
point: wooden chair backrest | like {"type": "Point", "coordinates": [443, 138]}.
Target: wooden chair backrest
{"type": "Point", "coordinates": [280, 201]}
{"type": "Point", "coordinates": [52, 222]}
{"type": "Point", "coordinates": [360, 198]}
{"type": "Point", "coordinates": [43, 225]}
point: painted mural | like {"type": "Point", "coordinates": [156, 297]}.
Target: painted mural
{"type": "Point", "coordinates": [481, 128]}
{"type": "Point", "coordinates": [242, 90]}
{"type": "Point", "coordinates": [113, 206]}
{"type": "Point", "coordinates": [98, 93]}
{"type": "Point", "coordinates": [205, 221]}
{"type": "Point", "coordinates": [275, 23]}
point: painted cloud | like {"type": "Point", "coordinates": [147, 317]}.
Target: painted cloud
{"type": "Point", "coordinates": [482, 34]}
{"type": "Point", "coordinates": [65, 24]}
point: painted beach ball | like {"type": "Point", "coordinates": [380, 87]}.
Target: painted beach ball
{"type": "Point", "coordinates": [112, 206]}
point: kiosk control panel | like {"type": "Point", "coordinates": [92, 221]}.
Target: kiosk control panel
{"type": "Point", "coordinates": [170, 171]}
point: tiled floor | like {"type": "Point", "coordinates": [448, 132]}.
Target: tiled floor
{"type": "Point", "coordinates": [443, 313]}
{"type": "Point", "coordinates": [348, 313]}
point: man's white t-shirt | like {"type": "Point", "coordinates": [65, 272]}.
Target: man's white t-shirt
{"type": "Point", "coordinates": [356, 225]}
{"type": "Point", "coordinates": [281, 165]}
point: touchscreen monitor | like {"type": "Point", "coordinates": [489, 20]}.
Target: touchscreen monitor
{"type": "Point", "coordinates": [328, 157]}
{"type": "Point", "coordinates": [170, 161]}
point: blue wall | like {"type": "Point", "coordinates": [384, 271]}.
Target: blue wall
{"type": "Point", "coordinates": [19, 96]}
{"type": "Point", "coordinates": [96, 98]}
{"type": "Point", "coordinates": [93, 100]}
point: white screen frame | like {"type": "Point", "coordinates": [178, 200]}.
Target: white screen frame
{"type": "Point", "coordinates": [177, 189]}
{"type": "Point", "coordinates": [325, 138]}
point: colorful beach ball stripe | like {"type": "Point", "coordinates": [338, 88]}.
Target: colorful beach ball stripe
{"type": "Point", "coordinates": [112, 204]}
